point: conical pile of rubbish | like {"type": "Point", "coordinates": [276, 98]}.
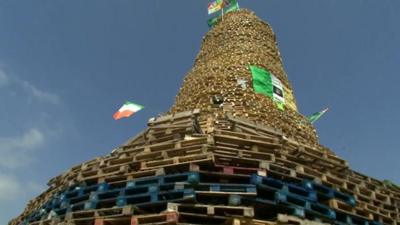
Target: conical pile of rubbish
{"type": "Point", "coordinates": [237, 42]}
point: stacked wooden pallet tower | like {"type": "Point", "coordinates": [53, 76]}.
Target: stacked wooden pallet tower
{"type": "Point", "coordinates": [239, 162]}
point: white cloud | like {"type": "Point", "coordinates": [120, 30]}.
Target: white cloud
{"type": "Point", "coordinates": [3, 78]}
{"type": "Point", "coordinates": [16, 151]}
{"type": "Point", "coordinates": [28, 87]}
{"type": "Point", "coordinates": [39, 94]}
{"type": "Point", "coordinates": [10, 188]}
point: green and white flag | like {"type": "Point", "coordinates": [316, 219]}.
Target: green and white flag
{"type": "Point", "coordinates": [267, 84]}
{"type": "Point", "coordinates": [233, 5]}
{"type": "Point", "coordinates": [314, 117]}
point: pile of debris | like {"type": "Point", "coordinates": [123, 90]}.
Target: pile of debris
{"type": "Point", "coordinates": [237, 42]}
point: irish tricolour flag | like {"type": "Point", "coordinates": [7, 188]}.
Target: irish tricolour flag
{"type": "Point", "coordinates": [127, 110]}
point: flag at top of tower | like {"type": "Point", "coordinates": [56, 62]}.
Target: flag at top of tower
{"type": "Point", "coordinates": [225, 5]}
{"type": "Point", "coordinates": [215, 6]}
{"type": "Point", "coordinates": [231, 5]}
{"type": "Point", "coordinates": [127, 110]}
{"type": "Point", "coordinates": [228, 5]}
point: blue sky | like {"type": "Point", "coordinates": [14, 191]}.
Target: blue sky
{"type": "Point", "coordinates": [66, 66]}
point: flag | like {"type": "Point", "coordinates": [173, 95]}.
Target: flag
{"type": "Point", "coordinates": [211, 22]}
{"type": "Point", "coordinates": [233, 5]}
{"type": "Point", "coordinates": [215, 6]}
{"type": "Point", "coordinates": [290, 102]}
{"type": "Point", "coordinates": [267, 84]}
{"type": "Point", "coordinates": [314, 117]}
{"type": "Point", "coordinates": [227, 5]}
{"type": "Point", "coordinates": [127, 110]}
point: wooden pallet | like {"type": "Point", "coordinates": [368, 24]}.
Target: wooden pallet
{"type": "Point", "coordinates": [167, 218]}
{"type": "Point", "coordinates": [343, 207]}
{"type": "Point", "coordinates": [216, 211]}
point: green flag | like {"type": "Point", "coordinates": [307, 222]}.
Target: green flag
{"type": "Point", "coordinates": [267, 84]}
{"type": "Point", "coordinates": [211, 22]}
{"type": "Point", "coordinates": [232, 6]}
{"type": "Point", "coordinates": [314, 117]}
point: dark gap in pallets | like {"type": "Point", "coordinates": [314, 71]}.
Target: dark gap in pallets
{"type": "Point", "coordinates": [136, 190]}
{"type": "Point", "coordinates": [61, 212]}
{"type": "Point", "coordinates": [272, 183]}
{"type": "Point", "coordinates": [72, 194]}
{"type": "Point", "coordinates": [345, 218]}
{"type": "Point", "coordinates": [178, 178]}
{"type": "Point", "coordinates": [90, 189]}
{"type": "Point", "coordinates": [109, 194]}
{"type": "Point", "coordinates": [266, 193]}
{"type": "Point", "coordinates": [110, 212]}
{"type": "Point", "coordinates": [265, 212]}
{"type": "Point", "coordinates": [300, 192]}
{"type": "Point", "coordinates": [171, 195]}
{"type": "Point", "coordinates": [83, 214]}
{"type": "Point", "coordinates": [84, 222]}
{"type": "Point", "coordinates": [91, 182]}
{"type": "Point", "coordinates": [78, 207]}
{"type": "Point", "coordinates": [106, 203]}
{"type": "Point", "coordinates": [192, 209]}
{"type": "Point", "coordinates": [153, 181]}
{"type": "Point", "coordinates": [223, 178]}
{"type": "Point", "coordinates": [212, 200]}
{"type": "Point", "coordinates": [284, 177]}
{"type": "Point", "coordinates": [228, 211]}
{"type": "Point", "coordinates": [152, 207]}
{"type": "Point", "coordinates": [152, 220]}
{"type": "Point", "coordinates": [226, 161]}
{"type": "Point", "coordinates": [137, 199]}
{"type": "Point", "coordinates": [185, 218]}
{"type": "Point", "coordinates": [344, 197]}
{"type": "Point", "coordinates": [119, 221]}
{"type": "Point", "coordinates": [309, 215]}
{"type": "Point", "coordinates": [296, 201]}
{"type": "Point", "coordinates": [79, 199]}
{"type": "Point", "coordinates": [117, 185]}
{"type": "Point", "coordinates": [324, 211]}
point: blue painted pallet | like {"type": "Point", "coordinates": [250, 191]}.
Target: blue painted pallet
{"type": "Point", "coordinates": [267, 194]}
{"type": "Point", "coordinates": [78, 191]}
{"type": "Point", "coordinates": [142, 200]}
{"type": "Point", "coordinates": [295, 190]}
{"type": "Point", "coordinates": [88, 197]}
{"type": "Point", "coordinates": [326, 193]}
{"type": "Point", "coordinates": [76, 196]}
{"type": "Point", "coordinates": [61, 211]}
{"type": "Point", "coordinates": [217, 187]}
{"type": "Point", "coordinates": [154, 197]}
{"type": "Point", "coordinates": [311, 208]}
{"type": "Point", "coordinates": [131, 191]}
{"type": "Point", "coordinates": [267, 205]}
{"type": "Point", "coordinates": [320, 211]}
